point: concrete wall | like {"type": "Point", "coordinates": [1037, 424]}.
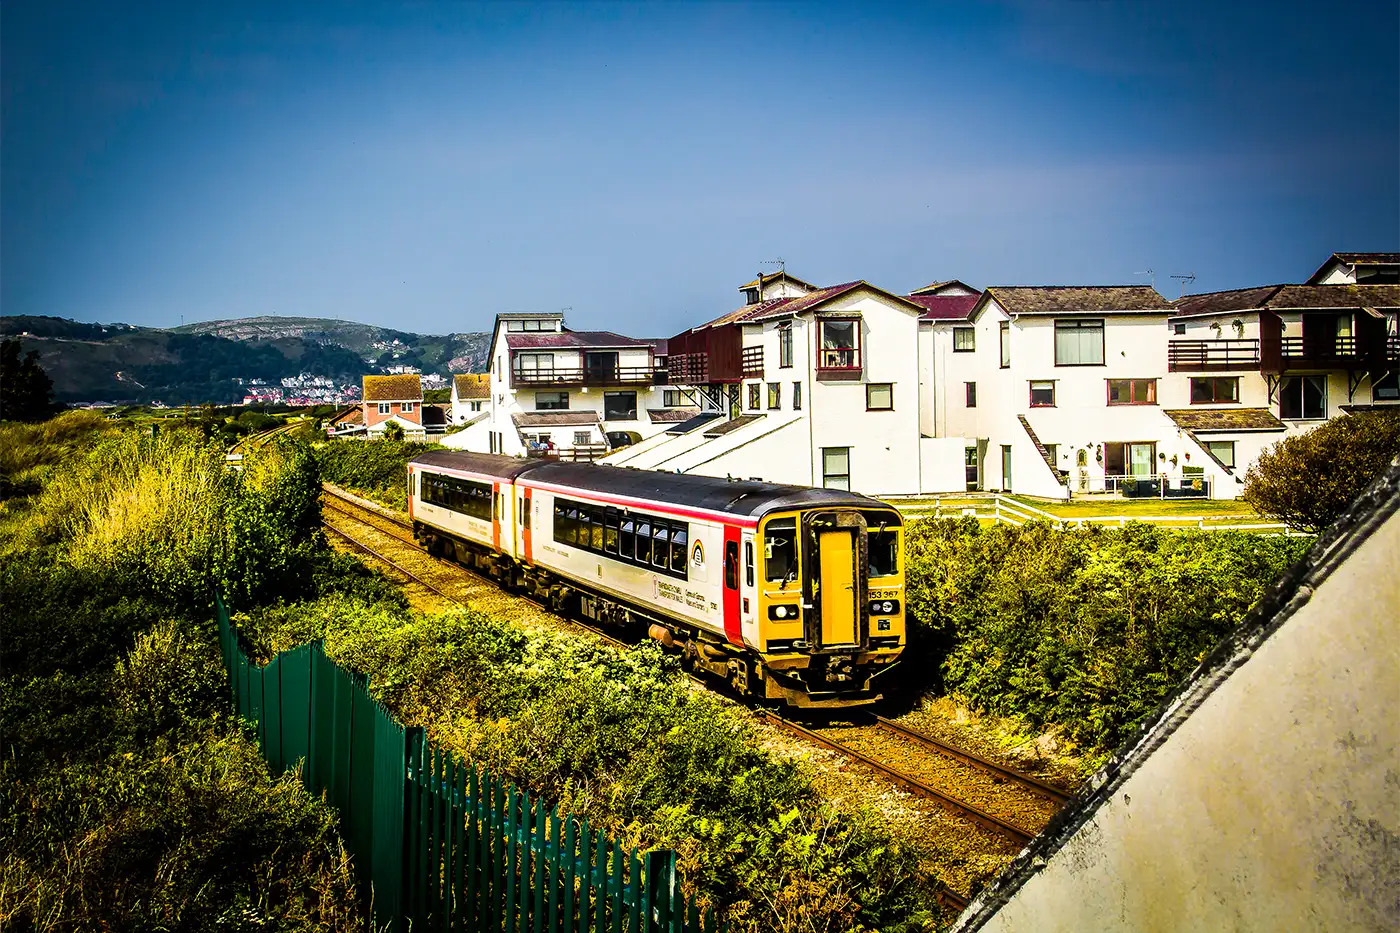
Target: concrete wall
{"type": "Point", "coordinates": [1266, 796]}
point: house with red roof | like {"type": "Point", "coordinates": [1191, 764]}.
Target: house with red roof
{"type": "Point", "coordinates": [393, 399]}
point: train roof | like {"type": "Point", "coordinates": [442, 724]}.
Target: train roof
{"type": "Point", "coordinates": [747, 498]}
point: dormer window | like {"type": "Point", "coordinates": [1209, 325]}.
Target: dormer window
{"type": "Point", "coordinates": [532, 326]}
{"type": "Point", "coordinates": [752, 296]}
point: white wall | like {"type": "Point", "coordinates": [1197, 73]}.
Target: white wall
{"type": "Point", "coordinates": [1272, 801]}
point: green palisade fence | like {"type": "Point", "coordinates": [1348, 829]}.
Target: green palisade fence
{"type": "Point", "coordinates": [443, 846]}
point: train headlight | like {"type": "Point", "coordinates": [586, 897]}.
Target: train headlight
{"type": "Point", "coordinates": [782, 613]}
{"type": "Point", "coordinates": [884, 607]}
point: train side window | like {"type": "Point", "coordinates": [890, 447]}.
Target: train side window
{"type": "Point", "coordinates": [596, 531]}
{"type": "Point", "coordinates": [780, 550]}
{"type": "Point", "coordinates": [625, 547]}
{"type": "Point", "coordinates": [524, 513]}
{"type": "Point", "coordinates": [610, 532]}
{"type": "Point", "coordinates": [678, 543]}
{"type": "Point", "coordinates": [583, 528]}
{"type": "Point", "coordinates": [571, 526]}
{"type": "Point", "coordinates": [731, 565]}
{"type": "Point", "coordinates": [748, 563]}
{"type": "Point", "coordinates": [644, 542]}
{"type": "Point", "coordinates": [661, 547]}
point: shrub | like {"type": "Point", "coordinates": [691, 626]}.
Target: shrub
{"type": "Point", "coordinates": [1308, 480]}
{"type": "Point", "coordinates": [1086, 628]}
{"type": "Point", "coordinates": [376, 469]}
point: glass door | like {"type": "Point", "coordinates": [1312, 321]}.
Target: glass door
{"type": "Point", "coordinates": [1142, 459]}
{"type": "Point", "coordinates": [1006, 468]}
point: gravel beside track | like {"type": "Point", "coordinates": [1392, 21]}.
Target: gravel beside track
{"type": "Point", "coordinates": [956, 852]}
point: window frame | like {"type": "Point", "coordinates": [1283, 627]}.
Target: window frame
{"type": "Point", "coordinates": [406, 407]}
{"type": "Point", "coordinates": [1230, 462]}
{"type": "Point", "coordinates": [1214, 382]}
{"type": "Point", "coordinates": [888, 387]}
{"type": "Point", "coordinates": [620, 394]}
{"type": "Point", "coordinates": [1151, 384]}
{"type": "Point", "coordinates": [755, 395]}
{"type": "Point", "coordinates": [828, 477]}
{"type": "Point", "coordinates": [582, 438]}
{"type": "Point", "coordinates": [775, 396]}
{"type": "Point", "coordinates": [672, 398]}
{"type": "Point", "coordinates": [970, 333]}
{"type": "Point", "coordinates": [785, 345]}
{"type": "Point", "coordinates": [561, 395]}
{"type": "Point", "coordinates": [1391, 378]}
{"type": "Point", "coordinates": [1301, 381]}
{"type": "Point", "coordinates": [1032, 383]}
{"type": "Point", "coordinates": [824, 361]}
{"type": "Point", "coordinates": [797, 395]}
{"type": "Point", "coordinates": [1004, 344]}
{"type": "Point", "coordinates": [1079, 325]}
{"type": "Point", "coordinates": [970, 395]}
{"type": "Point", "coordinates": [384, 408]}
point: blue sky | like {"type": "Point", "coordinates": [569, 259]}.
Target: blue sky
{"type": "Point", "coordinates": [427, 165]}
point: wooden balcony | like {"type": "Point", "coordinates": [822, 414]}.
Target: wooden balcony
{"type": "Point", "coordinates": [1287, 353]}
{"type": "Point", "coordinates": [752, 362]}
{"type": "Point", "coordinates": [1189, 356]}
{"type": "Point", "coordinates": [626, 376]}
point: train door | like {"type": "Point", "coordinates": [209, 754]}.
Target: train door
{"type": "Point", "coordinates": [836, 561]}
{"type": "Point", "coordinates": [748, 590]}
{"type": "Point", "coordinates": [497, 516]}
{"type": "Point", "coordinates": [526, 549]}
{"type": "Point", "coordinates": [733, 628]}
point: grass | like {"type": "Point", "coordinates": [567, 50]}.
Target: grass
{"type": "Point", "coordinates": [1142, 508]}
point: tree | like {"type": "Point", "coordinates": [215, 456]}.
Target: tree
{"type": "Point", "coordinates": [26, 391]}
{"type": "Point", "coordinates": [393, 431]}
{"type": "Point", "coordinates": [1309, 480]}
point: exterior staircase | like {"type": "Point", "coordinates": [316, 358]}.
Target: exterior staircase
{"type": "Point", "coordinates": [1060, 475]}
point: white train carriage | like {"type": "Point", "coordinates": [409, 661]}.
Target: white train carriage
{"type": "Point", "coordinates": [789, 592]}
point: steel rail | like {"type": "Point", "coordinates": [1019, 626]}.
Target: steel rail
{"type": "Point", "coordinates": [980, 817]}
{"type": "Point", "coordinates": [977, 761]}
{"type": "Point", "coordinates": [399, 568]}
{"type": "Point", "coordinates": [353, 516]}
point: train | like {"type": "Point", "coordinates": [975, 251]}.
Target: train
{"type": "Point", "coordinates": [790, 594]}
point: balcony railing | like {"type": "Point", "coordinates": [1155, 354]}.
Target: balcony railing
{"type": "Point", "coordinates": [752, 361]}
{"type": "Point", "coordinates": [1199, 355]}
{"type": "Point", "coordinates": [1317, 348]}
{"type": "Point", "coordinates": [1392, 347]}
{"type": "Point", "coordinates": [838, 363]}
{"type": "Point", "coordinates": [611, 376]}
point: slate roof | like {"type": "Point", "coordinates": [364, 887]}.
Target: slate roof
{"type": "Point", "coordinates": [1352, 259]}
{"type": "Point", "coordinates": [1224, 420]}
{"type": "Point", "coordinates": [770, 279]}
{"type": "Point", "coordinates": [1289, 297]}
{"type": "Point", "coordinates": [472, 385]}
{"type": "Point", "coordinates": [572, 339]}
{"type": "Point", "coordinates": [542, 419]}
{"type": "Point", "coordinates": [671, 415]}
{"type": "Point", "coordinates": [402, 388]}
{"type": "Point", "coordinates": [1078, 299]}
{"type": "Point", "coordinates": [733, 424]}
{"type": "Point", "coordinates": [945, 307]}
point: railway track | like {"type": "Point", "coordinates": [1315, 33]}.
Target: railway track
{"type": "Point", "coordinates": [1018, 828]}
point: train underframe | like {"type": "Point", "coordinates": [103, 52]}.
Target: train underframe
{"type": "Point", "coordinates": [819, 680]}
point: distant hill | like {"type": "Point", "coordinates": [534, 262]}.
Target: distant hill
{"type": "Point", "coordinates": [199, 362]}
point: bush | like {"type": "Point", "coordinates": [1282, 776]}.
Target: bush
{"type": "Point", "coordinates": [620, 738]}
{"type": "Point", "coordinates": [375, 469]}
{"type": "Point", "coordinates": [1308, 480]}
{"type": "Point", "coordinates": [1086, 628]}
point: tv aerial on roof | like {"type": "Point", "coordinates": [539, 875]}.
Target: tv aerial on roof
{"type": "Point", "coordinates": [1185, 279]}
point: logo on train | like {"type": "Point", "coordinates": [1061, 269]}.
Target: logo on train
{"type": "Point", "coordinates": [697, 555]}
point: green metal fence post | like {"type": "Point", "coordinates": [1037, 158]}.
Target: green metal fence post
{"type": "Point", "coordinates": [660, 887]}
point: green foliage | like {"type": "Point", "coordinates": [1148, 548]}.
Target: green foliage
{"type": "Point", "coordinates": [30, 452]}
{"type": "Point", "coordinates": [620, 737]}
{"type": "Point", "coordinates": [26, 391]}
{"type": "Point", "coordinates": [375, 469]}
{"type": "Point", "coordinates": [132, 800]}
{"type": "Point", "coordinates": [1086, 628]}
{"type": "Point", "coordinates": [1308, 480]}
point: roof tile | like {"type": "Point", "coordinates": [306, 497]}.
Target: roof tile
{"type": "Point", "coordinates": [402, 388]}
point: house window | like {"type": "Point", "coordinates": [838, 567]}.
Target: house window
{"type": "Point", "coordinates": [785, 346]}
{"type": "Point", "coordinates": [1303, 397]}
{"type": "Point", "coordinates": [1004, 332]}
{"type": "Point", "coordinates": [406, 407]}
{"type": "Point", "coordinates": [1178, 329]}
{"type": "Point", "coordinates": [964, 339]}
{"type": "Point", "coordinates": [840, 345]}
{"type": "Point", "coordinates": [671, 398]}
{"type": "Point", "coordinates": [1043, 393]}
{"type": "Point", "coordinates": [971, 468]}
{"type": "Point", "coordinates": [971, 388]}
{"type": "Point", "coordinates": [535, 367]}
{"type": "Point", "coordinates": [551, 401]}
{"type": "Point", "coordinates": [755, 393]}
{"type": "Point", "coordinates": [1132, 391]}
{"type": "Point", "coordinates": [1206, 390]}
{"type": "Point", "coordinates": [797, 396]}
{"type": "Point", "coordinates": [1386, 388]}
{"type": "Point", "coordinates": [582, 437]}
{"type": "Point", "coordinates": [879, 396]}
{"type": "Point", "coordinates": [476, 406]}
{"type": "Point", "coordinates": [1224, 451]}
{"type": "Point", "coordinates": [775, 395]}
{"type": "Point", "coordinates": [836, 468]}
{"type": "Point", "coordinates": [1079, 343]}
{"type": "Point", "coordinates": [619, 406]}
{"type": "Point", "coordinates": [383, 408]}
{"type": "Point", "coordinates": [1051, 452]}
